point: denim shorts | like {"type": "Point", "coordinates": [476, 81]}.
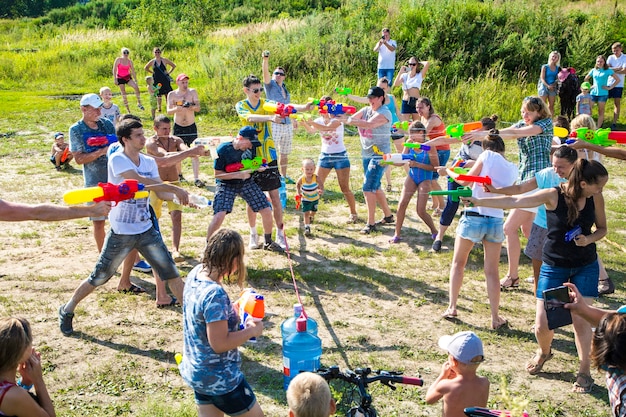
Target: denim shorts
{"type": "Point", "coordinates": [542, 90]}
{"type": "Point", "coordinates": [374, 172]}
{"type": "Point", "coordinates": [584, 277]}
{"type": "Point", "coordinates": [616, 92]}
{"type": "Point", "coordinates": [338, 160]}
{"type": "Point", "coordinates": [479, 228]}
{"type": "Point", "coordinates": [409, 106]}
{"type": "Point", "coordinates": [237, 402]}
{"type": "Point", "coordinates": [116, 247]}
{"type": "Point", "coordinates": [225, 194]}
{"type": "Point", "coordinates": [600, 99]}
{"type": "Point", "coordinates": [536, 240]}
{"type": "Point", "coordinates": [443, 160]}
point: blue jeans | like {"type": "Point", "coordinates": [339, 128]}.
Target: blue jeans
{"type": "Point", "coordinates": [584, 277]}
{"type": "Point", "coordinates": [386, 72]}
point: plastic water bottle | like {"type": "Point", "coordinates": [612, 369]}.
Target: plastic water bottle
{"type": "Point", "coordinates": [289, 326]}
{"type": "Point", "coordinates": [282, 192]}
{"type": "Point", "coordinates": [301, 352]}
{"type": "Point", "coordinates": [198, 200]}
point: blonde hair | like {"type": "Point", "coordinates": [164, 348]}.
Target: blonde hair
{"type": "Point", "coordinates": [15, 337]}
{"type": "Point", "coordinates": [558, 63]}
{"type": "Point", "coordinates": [103, 89]}
{"type": "Point", "coordinates": [307, 162]}
{"type": "Point", "coordinates": [582, 120]}
{"type": "Point", "coordinates": [308, 395]}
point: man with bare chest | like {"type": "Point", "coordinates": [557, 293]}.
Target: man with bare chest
{"type": "Point", "coordinates": [160, 145]}
{"type": "Point", "coordinates": [183, 103]}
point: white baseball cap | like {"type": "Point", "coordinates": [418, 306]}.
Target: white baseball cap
{"type": "Point", "coordinates": [466, 347]}
{"type": "Point", "coordinates": [92, 100]}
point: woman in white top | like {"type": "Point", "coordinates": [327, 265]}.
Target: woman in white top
{"type": "Point", "coordinates": [411, 78]}
{"type": "Point", "coordinates": [482, 224]}
{"type": "Point", "coordinates": [333, 154]}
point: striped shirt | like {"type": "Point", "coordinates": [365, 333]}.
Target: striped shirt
{"type": "Point", "coordinates": [310, 189]}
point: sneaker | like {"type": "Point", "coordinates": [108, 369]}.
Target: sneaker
{"type": "Point", "coordinates": [606, 286]}
{"type": "Point", "coordinates": [369, 228]}
{"type": "Point", "coordinates": [199, 183]}
{"type": "Point", "coordinates": [437, 246]}
{"type": "Point", "coordinates": [181, 178]}
{"type": "Point", "coordinates": [386, 220]}
{"type": "Point", "coordinates": [254, 242]}
{"type": "Point", "coordinates": [280, 239]}
{"type": "Point", "coordinates": [273, 247]}
{"type": "Point", "coordinates": [289, 180]}
{"type": "Point", "coordinates": [142, 266]}
{"type": "Point", "coordinates": [140, 106]}
{"type": "Point", "coordinates": [65, 321]}
{"type": "Point", "coordinates": [307, 230]}
{"type": "Point", "coordinates": [353, 219]}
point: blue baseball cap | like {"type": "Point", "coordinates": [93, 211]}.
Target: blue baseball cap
{"type": "Point", "coordinates": [250, 133]}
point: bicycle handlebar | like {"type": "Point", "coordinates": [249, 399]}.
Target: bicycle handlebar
{"type": "Point", "coordinates": [360, 376]}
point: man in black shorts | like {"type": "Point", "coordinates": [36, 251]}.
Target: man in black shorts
{"type": "Point", "coordinates": [183, 103]}
{"type": "Point", "coordinates": [231, 184]}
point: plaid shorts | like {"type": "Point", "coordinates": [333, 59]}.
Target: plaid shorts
{"type": "Point", "coordinates": [282, 133]}
{"type": "Point", "coordinates": [248, 190]}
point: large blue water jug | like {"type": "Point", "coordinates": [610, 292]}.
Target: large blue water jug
{"type": "Point", "coordinates": [282, 192]}
{"type": "Point", "coordinates": [289, 326]}
{"type": "Point", "coordinates": [301, 352]}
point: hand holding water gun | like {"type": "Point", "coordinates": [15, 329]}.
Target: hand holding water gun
{"type": "Point", "coordinates": [126, 190]}
{"type": "Point", "coordinates": [600, 137]}
{"type": "Point", "coordinates": [400, 125]}
{"type": "Point", "coordinates": [98, 140]}
{"type": "Point", "coordinates": [157, 89]}
{"type": "Point", "coordinates": [298, 198]}
{"type": "Point", "coordinates": [343, 91]}
{"type": "Point", "coordinates": [457, 130]}
{"type": "Point", "coordinates": [337, 109]}
{"type": "Point", "coordinates": [454, 194]}
{"type": "Point", "coordinates": [253, 164]}
{"type": "Point", "coordinates": [251, 307]}
{"type": "Point", "coordinates": [399, 158]}
{"type": "Point", "coordinates": [283, 110]}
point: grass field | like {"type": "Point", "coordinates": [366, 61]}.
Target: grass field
{"type": "Point", "coordinates": [377, 305]}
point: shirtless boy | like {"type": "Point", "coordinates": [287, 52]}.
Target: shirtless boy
{"type": "Point", "coordinates": [183, 103]}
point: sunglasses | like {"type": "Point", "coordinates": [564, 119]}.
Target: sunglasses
{"type": "Point", "coordinates": [412, 64]}
{"type": "Point", "coordinates": [532, 100]}
{"type": "Point", "coordinates": [282, 74]}
{"type": "Point", "coordinates": [255, 90]}
{"type": "Point", "coordinates": [126, 53]}
{"type": "Point", "coordinates": [157, 52]}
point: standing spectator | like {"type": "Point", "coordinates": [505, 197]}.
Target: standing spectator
{"type": "Point", "coordinates": [282, 128]}
{"type": "Point", "coordinates": [333, 154]}
{"type": "Point", "coordinates": [547, 87]}
{"type": "Point", "coordinates": [109, 110]}
{"type": "Point", "coordinates": [374, 124]}
{"type": "Point", "coordinates": [184, 103]}
{"type": "Point", "coordinates": [601, 87]}
{"type": "Point", "coordinates": [617, 62]}
{"type": "Point", "coordinates": [132, 225]}
{"type": "Point", "coordinates": [583, 100]}
{"type": "Point", "coordinates": [162, 143]}
{"type": "Point", "coordinates": [157, 66]}
{"type": "Point", "coordinates": [60, 152]}
{"type": "Point", "coordinates": [252, 113]}
{"type": "Point", "coordinates": [411, 78]}
{"type": "Point", "coordinates": [386, 48]}
{"type": "Point", "coordinates": [124, 73]}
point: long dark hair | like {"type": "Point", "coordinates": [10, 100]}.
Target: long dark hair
{"type": "Point", "coordinates": [608, 346]}
{"type": "Point", "coordinates": [494, 142]}
{"type": "Point", "coordinates": [588, 171]}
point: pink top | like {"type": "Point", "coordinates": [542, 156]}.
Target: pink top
{"type": "Point", "coordinates": [123, 70]}
{"type": "Point", "coordinates": [5, 386]}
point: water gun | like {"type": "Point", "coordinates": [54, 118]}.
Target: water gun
{"type": "Point", "coordinates": [301, 116]}
{"type": "Point", "coordinates": [600, 137]}
{"type": "Point", "coordinates": [298, 198]}
{"type": "Point", "coordinates": [157, 89]}
{"type": "Point", "coordinates": [419, 146]}
{"type": "Point", "coordinates": [398, 158]}
{"type": "Point", "coordinates": [105, 191]}
{"type": "Point", "coordinates": [315, 101]}
{"type": "Point", "coordinates": [343, 91]}
{"type": "Point", "coordinates": [283, 110]}
{"type": "Point", "coordinates": [473, 178]}
{"type": "Point", "coordinates": [571, 235]}
{"type": "Point", "coordinates": [485, 412]}
{"type": "Point", "coordinates": [250, 304]}
{"type": "Point", "coordinates": [337, 109]}
{"type": "Point", "coordinates": [561, 132]}
{"type": "Point", "coordinates": [400, 125]}
{"type": "Point", "coordinates": [65, 153]}
{"type": "Point", "coordinates": [457, 130]}
{"type": "Point", "coordinates": [247, 165]}
{"type": "Point", "coordinates": [95, 141]}
{"type": "Point", "coordinates": [455, 194]}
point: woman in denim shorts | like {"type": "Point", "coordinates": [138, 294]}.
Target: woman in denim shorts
{"type": "Point", "coordinates": [333, 154]}
{"type": "Point", "coordinates": [478, 224]}
{"type": "Point", "coordinates": [569, 253]}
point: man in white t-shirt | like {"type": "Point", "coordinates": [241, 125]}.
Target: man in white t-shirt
{"type": "Point", "coordinates": [386, 48]}
{"type": "Point", "coordinates": [132, 225]}
{"type": "Point", "coordinates": [617, 62]}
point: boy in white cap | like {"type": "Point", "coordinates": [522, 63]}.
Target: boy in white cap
{"type": "Point", "coordinates": [458, 385]}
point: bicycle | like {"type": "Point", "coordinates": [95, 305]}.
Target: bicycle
{"type": "Point", "coordinates": [361, 379]}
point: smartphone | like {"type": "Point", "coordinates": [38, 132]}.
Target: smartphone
{"type": "Point", "coordinates": [553, 300]}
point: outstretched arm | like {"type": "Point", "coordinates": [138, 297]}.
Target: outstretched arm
{"type": "Point", "coordinates": [17, 212]}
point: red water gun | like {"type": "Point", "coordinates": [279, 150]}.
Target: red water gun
{"type": "Point", "coordinates": [474, 178]}
{"type": "Point", "coordinates": [105, 191]}
{"type": "Point", "coordinates": [247, 164]}
{"type": "Point", "coordinates": [298, 198]}
{"type": "Point", "coordinates": [283, 110]}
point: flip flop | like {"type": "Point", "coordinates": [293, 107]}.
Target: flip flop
{"type": "Point", "coordinates": [172, 303]}
{"type": "Point", "coordinates": [448, 315]}
{"type": "Point", "coordinates": [134, 290]}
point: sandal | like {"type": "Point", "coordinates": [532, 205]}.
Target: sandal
{"type": "Point", "coordinates": [509, 282]}
{"type": "Point", "coordinates": [172, 303]}
{"type": "Point", "coordinates": [385, 220]}
{"type": "Point", "coordinates": [388, 188]}
{"type": "Point", "coordinates": [535, 365]}
{"type": "Point", "coordinates": [449, 314]}
{"type": "Point", "coordinates": [395, 239]}
{"type": "Point", "coordinates": [606, 286]}
{"type": "Point", "coordinates": [353, 219]}
{"type": "Point", "coordinates": [586, 384]}
{"type": "Point", "coordinates": [134, 290]}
